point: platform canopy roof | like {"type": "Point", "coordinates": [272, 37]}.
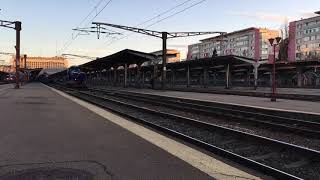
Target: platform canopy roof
{"type": "Point", "coordinates": [3, 73]}
{"type": "Point", "coordinates": [214, 61]}
{"type": "Point", "coordinates": [305, 63]}
{"type": "Point", "coordinates": [120, 58]}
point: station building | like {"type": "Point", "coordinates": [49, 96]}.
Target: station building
{"type": "Point", "coordinates": [250, 43]}
{"type": "Point", "coordinates": [304, 39]}
{"type": "Point", "coordinates": [173, 55]}
{"type": "Point", "coordinates": [7, 68]}
{"type": "Point", "coordinates": [43, 62]}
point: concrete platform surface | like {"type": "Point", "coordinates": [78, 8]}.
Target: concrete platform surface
{"type": "Point", "coordinates": [300, 91]}
{"type": "Point", "coordinates": [40, 128]}
{"type": "Point", "coordinates": [259, 102]}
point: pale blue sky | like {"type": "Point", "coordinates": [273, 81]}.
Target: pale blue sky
{"type": "Point", "coordinates": [47, 24]}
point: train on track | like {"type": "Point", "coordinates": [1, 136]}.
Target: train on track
{"type": "Point", "coordinates": [76, 77]}
{"type": "Point", "coordinates": [73, 77]}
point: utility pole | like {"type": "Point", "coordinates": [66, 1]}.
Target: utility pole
{"type": "Point", "coordinates": [164, 59]}
{"type": "Point", "coordinates": [163, 35]}
{"type": "Point", "coordinates": [25, 61]}
{"type": "Point", "coordinates": [16, 25]}
{"type": "Point", "coordinates": [18, 29]}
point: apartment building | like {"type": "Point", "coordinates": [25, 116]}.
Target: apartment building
{"type": "Point", "coordinates": [251, 42]}
{"type": "Point", "coordinates": [304, 39]}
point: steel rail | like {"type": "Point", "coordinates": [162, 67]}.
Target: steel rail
{"type": "Point", "coordinates": [278, 148]}
{"type": "Point", "coordinates": [288, 124]}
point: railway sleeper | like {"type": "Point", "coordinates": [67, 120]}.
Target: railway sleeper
{"type": "Point", "coordinates": [264, 156]}
{"type": "Point", "coordinates": [297, 164]}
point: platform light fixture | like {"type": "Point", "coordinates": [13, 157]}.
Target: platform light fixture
{"type": "Point", "coordinates": [274, 42]}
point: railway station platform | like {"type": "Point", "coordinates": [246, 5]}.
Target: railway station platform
{"type": "Point", "coordinates": [305, 94]}
{"type": "Point", "coordinates": [287, 105]}
{"type": "Point", "coordinates": [42, 128]}
{"type": "Point", "coordinates": [293, 91]}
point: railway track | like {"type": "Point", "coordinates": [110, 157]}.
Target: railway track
{"type": "Point", "coordinates": [303, 97]}
{"type": "Point", "coordinates": [275, 158]}
{"type": "Point", "coordinates": [240, 114]}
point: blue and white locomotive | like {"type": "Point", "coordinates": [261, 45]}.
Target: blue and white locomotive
{"type": "Point", "coordinates": [76, 77]}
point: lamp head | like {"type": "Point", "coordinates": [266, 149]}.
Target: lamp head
{"type": "Point", "coordinates": [278, 39]}
{"type": "Point", "coordinates": [271, 40]}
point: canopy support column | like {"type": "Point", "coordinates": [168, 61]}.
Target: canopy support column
{"type": "Point", "coordinates": [256, 74]}
{"type": "Point", "coordinates": [173, 77]}
{"type": "Point", "coordinates": [138, 76]}
{"type": "Point", "coordinates": [125, 74]}
{"type": "Point", "coordinates": [114, 76]}
{"type": "Point", "coordinates": [205, 77]}
{"type": "Point", "coordinates": [227, 76]}
{"type": "Point", "coordinates": [299, 76]}
{"type": "Point", "coordinates": [188, 75]}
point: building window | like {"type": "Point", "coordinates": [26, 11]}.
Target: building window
{"type": "Point", "coordinates": [312, 23]}
{"type": "Point", "coordinates": [298, 55]}
{"type": "Point", "coordinates": [298, 47]}
{"type": "Point", "coordinates": [307, 38]}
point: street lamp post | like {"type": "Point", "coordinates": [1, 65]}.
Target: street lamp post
{"type": "Point", "coordinates": [274, 43]}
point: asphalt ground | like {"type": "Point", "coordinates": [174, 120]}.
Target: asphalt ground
{"type": "Point", "coordinates": [38, 125]}
{"type": "Point", "coordinates": [42, 129]}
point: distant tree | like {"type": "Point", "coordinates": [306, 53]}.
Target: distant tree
{"type": "Point", "coordinates": [283, 47]}
{"type": "Point", "coordinates": [283, 51]}
{"type": "Point", "coordinates": [215, 53]}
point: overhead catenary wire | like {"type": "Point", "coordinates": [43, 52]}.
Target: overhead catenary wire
{"type": "Point", "coordinates": [114, 39]}
{"type": "Point", "coordinates": [93, 10]}
{"type": "Point", "coordinates": [165, 18]}
{"type": "Point", "coordinates": [66, 45]}
{"type": "Point", "coordinates": [82, 21]}
{"type": "Point", "coordinates": [157, 16]}
{"type": "Point", "coordinates": [165, 12]}
{"type": "Point", "coordinates": [3, 15]}
{"type": "Point", "coordinates": [189, 7]}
